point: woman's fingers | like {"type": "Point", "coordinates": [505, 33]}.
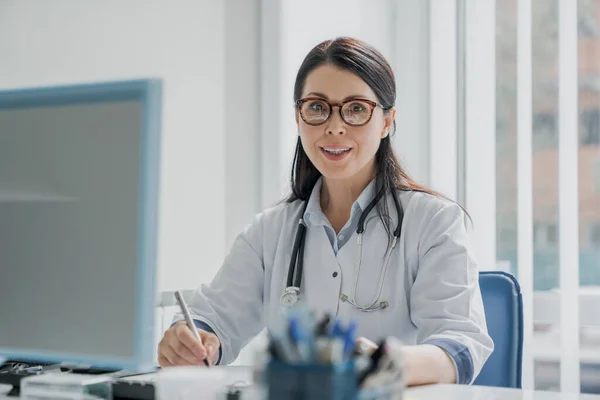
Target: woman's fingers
{"type": "Point", "coordinates": [163, 361]}
{"type": "Point", "coordinates": [365, 345]}
{"type": "Point", "coordinates": [211, 344]}
{"type": "Point", "coordinates": [169, 354]}
{"type": "Point", "coordinates": [179, 346]}
{"type": "Point", "coordinates": [192, 346]}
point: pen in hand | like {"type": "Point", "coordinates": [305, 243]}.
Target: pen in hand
{"type": "Point", "coordinates": [188, 319]}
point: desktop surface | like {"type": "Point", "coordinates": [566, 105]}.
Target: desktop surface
{"type": "Point", "coordinates": [464, 392]}
{"type": "Point", "coordinates": [446, 392]}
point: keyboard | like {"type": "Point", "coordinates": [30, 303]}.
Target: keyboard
{"type": "Point", "coordinates": [12, 371]}
{"type": "Point", "coordinates": [125, 386]}
{"type": "Point", "coordinates": [141, 387]}
{"type": "Point", "coordinates": [136, 387]}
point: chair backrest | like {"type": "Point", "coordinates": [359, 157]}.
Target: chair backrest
{"type": "Point", "coordinates": [503, 306]}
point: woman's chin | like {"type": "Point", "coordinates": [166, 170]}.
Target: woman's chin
{"type": "Point", "coordinates": [337, 173]}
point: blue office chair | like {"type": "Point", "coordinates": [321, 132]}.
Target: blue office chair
{"type": "Point", "coordinates": [503, 306]}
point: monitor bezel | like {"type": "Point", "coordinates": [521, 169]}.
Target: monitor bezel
{"type": "Point", "coordinates": [149, 93]}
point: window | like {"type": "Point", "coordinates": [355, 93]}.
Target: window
{"type": "Point", "coordinates": [587, 25]}
{"type": "Point", "coordinates": [594, 235]}
{"type": "Point", "coordinates": [596, 175]}
{"type": "Point", "coordinates": [545, 235]}
{"type": "Point", "coordinates": [545, 163]}
{"type": "Point", "coordinates": [544, 123]}
{"type": "Point", "coordinates": [590, 127]}
{"type": "Point", "coordinates": [545, 130]}
{"type": "Point", "coordinates": [501, 127]}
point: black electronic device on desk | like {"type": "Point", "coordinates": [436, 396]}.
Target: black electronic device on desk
{"type": "Point", "coordinates": [12, 371]}
{"type": "Point", "coordinates": [126, 385]}
{"type": "Point", "coordinates": [142, 387]}
{"type": "Point", "coordinates": [135, 387]}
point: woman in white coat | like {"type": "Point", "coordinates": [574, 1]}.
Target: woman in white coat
{"type": "Point", "coordinates": [413, 277]}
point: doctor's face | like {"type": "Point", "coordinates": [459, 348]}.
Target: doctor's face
{"type": "Point", "coordinates": [341, 146]}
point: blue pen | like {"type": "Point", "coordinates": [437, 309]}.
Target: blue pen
{"type": "Point", "coordinates": [337, 330]}
{"type": "Point", "coordinates": [305, 319]}
{"type": "Point", "coordinates": [302, 344]}
{"type": "Point", "coordinates": [350, 339]}
{"type": "Point", "coordinates": [336, 344]}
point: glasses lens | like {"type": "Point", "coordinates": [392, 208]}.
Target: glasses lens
{"type": "Point", "coordinates": [356, 112]}
{"type": "Point", "coordinates": [315, 111]}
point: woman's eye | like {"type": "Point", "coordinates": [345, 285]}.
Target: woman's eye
{"type": "Point", "coordinates": [357, 107]}
{"type": "Point", "coordinates": [317, 106]}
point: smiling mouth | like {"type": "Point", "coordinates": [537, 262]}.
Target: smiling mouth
{"type": "Point", "coordinates": [336, 152]}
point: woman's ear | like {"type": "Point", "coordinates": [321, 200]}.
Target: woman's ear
{"type": "Point", "coordinates": [388, 122]}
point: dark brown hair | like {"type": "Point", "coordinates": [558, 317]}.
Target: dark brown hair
{"type": "Point", "coordinates": [369, 64]}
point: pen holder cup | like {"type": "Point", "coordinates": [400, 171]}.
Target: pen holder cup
{"type": "Point", "coordinates": [311, 381]}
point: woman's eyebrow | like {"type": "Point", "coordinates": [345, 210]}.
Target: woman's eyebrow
{"type": "Point", "coordinates": [318, 95]}
{"type": "Point", "coordinates": [354, 96]}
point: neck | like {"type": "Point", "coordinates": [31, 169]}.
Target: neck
{"type": "Point", "coordinates": [338, 195]}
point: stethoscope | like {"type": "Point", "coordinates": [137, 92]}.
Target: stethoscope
{"type": "Point", "coordinates": [290, 297]}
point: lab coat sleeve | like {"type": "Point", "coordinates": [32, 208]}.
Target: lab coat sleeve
{"type": "Point", "coordinates": [232, 304]}
{"type": "Point", "coordinates": [446, 304]}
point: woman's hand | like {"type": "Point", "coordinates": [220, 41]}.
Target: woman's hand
{"type": "Point", "coordinates": [423, 364]}
{"type": "Point", "coordinates": [365, 345]}
{"type": "Point", "coordinates": [426, 364]}
{"type": "Point", "coordinates": [179, 347]}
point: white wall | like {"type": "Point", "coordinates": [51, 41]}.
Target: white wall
{"type": "Point", "coordinates": [410, 44]}
{"type": "Point", "coordinates": [443, 97]}
{"type": "Point", "coordinates": [204, 51]}
{"type": "Point", "coordinates": [242, 112]}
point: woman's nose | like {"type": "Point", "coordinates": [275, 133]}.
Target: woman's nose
{"type": "Point", "coordinates": [336, 124]}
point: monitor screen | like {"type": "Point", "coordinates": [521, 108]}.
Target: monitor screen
{"type": "Point", "coordinates": [78, 188]}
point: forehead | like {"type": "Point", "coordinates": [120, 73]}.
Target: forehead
{"type": "Point", "coordinates": [336, 83]}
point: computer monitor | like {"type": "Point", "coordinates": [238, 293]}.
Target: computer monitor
{"type": "Point", "coordinates": [78, 223]}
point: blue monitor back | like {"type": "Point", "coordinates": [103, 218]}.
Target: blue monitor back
{"type": "Point", "coordinates": [78, 220]}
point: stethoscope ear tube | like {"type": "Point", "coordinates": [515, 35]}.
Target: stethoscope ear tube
{"type": "Point", "coordinates": [361, 221]}
{"type": "Point", "coordinates": [297, 242]}
{"type": "Point", "coordinates": [300, 264]}
{"type": "Point", "coordinates": [400, 216]}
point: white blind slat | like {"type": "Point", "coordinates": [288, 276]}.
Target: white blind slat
{"type": "Point", "coordinates": [524, 181]}
{"type": "Point", "coordinates": [568, 196]}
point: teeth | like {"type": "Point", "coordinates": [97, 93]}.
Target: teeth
{"type": "Point", "coordinates": [336, 151]}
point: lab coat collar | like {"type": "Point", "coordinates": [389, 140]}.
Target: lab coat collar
{"type": "Point", "coordinates": [314, 215]}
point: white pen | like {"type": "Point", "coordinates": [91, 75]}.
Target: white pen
{"type": "Point", "coordinates": [188, 319]}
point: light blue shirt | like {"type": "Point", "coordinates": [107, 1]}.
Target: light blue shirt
{"type": "Point", "coordinates": [432, 283]}
{"type": "Point", "coordinates": [314, 216]}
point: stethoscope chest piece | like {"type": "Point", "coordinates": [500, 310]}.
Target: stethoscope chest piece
{"type": "Point", "coordinates": [290, 297]}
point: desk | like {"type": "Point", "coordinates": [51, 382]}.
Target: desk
{"type": "Point", "coordinates": [457, 392]}
{"type": "Point", "coordinates": [4, 389]}
{"type": "Point", "coordinates": [462, 392]}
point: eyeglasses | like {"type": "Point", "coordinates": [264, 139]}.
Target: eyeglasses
{"type": "Point", "coordinates": [356, 112]}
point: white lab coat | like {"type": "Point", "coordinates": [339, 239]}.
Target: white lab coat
{"type": "Point", "coordinates": [431, 284]}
